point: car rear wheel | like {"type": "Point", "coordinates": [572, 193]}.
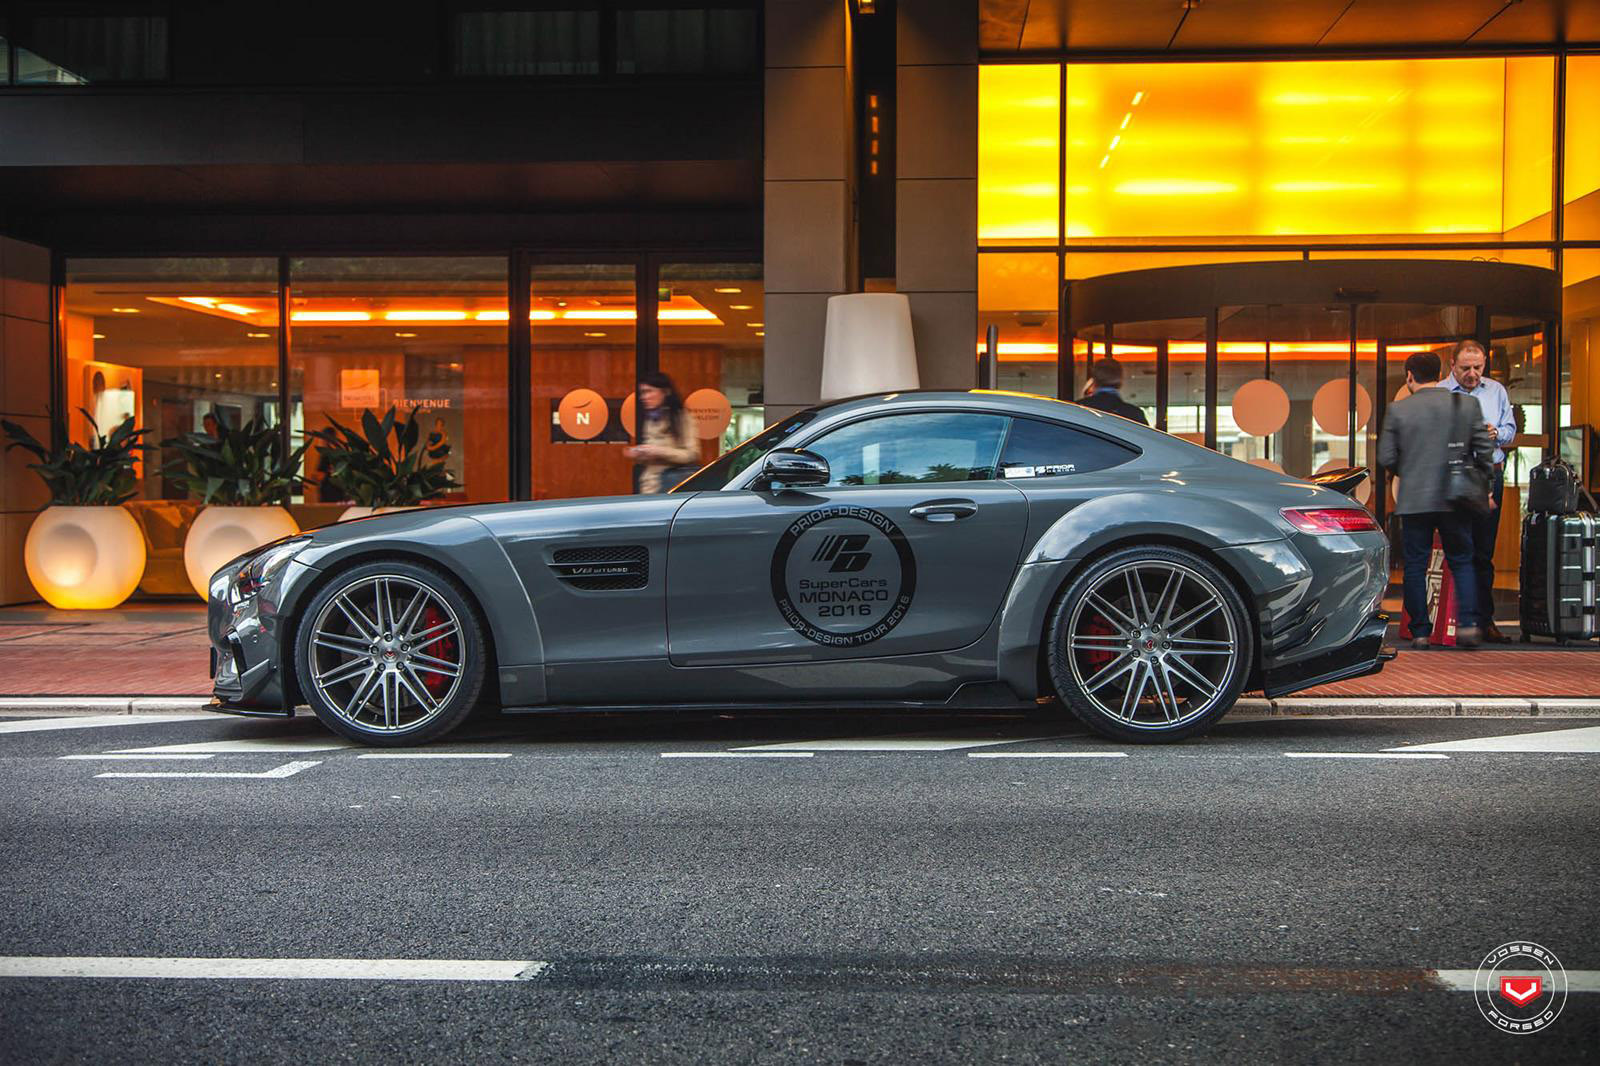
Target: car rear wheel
{"type": "Point", "coordinates": [391, 653]}
{"type": "Point", "coordinates": [1150, 644]}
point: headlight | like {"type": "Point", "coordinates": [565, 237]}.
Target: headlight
{"type": "Point", "coordinates": [260, 568]}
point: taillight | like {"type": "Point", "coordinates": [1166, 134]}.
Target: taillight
{"type": "Point", "coordinates": [1332, 519]}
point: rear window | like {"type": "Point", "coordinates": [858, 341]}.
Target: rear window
{"type": "Point", "coordinates": [1049, 449]}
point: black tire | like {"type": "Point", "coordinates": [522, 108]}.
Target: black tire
{"type": "Point", "coordinates": [453, 697]}
{"type": "Point", "coordinates": [1192, 679]}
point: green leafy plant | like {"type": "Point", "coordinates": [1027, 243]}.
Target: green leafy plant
{"type": "Point", "coordinates": [369, 471]}
{"type": "Point", "coordinates": [97, 476]}
{"type": "Point", "coordinates": [239, 466]}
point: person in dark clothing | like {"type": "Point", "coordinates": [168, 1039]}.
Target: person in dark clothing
{"type": "Point", "coordinates": [1104, 391]}
{"type": "Point", "coordinates": [1415, 445]}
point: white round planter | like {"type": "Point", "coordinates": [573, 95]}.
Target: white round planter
{"type": "Point", "coordinates": [356, 511]}
{"type": "Point", "coordinates": [84, 557]}
{"type": "Point", "coordinates": [220, 533]}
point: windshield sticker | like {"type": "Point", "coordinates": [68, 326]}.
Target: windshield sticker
{"type": "Point", "coordinates": [843, 576]}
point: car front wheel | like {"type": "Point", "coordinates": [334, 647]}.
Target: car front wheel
{"type": "Point", "coordinates": [391, 653]}
{"type": "Point", "coordinates": [1150, 644]}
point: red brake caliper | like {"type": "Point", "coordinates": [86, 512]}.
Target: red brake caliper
{"type": "Point", "coordinates": [442, 648]}
{"type": "Point", "coordinates": [1098, 626]}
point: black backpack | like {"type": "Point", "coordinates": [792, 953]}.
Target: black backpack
{"type": "Point", "coordinates": [1553, 488]}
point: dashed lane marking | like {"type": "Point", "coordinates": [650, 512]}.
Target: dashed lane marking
{"type": "Point", "coordinates": [288, 769]}
{"type": "Point", "coordinates": [273, 969]}
{"type": "Point", "coordinates": [1047, 755]}
{"type": "Point", "coordinates": [1584, 739]}
{"type": "Point", "coordinates": [906, 742]}
{"type": "Point", "coordinates": [436, 755]}
{"type": "Point", "coordinates": [245, 746]}
{"type": "Point", "coordinates": [97, 721]}
{"type": "Point", "coordinates": [736, 755]}
{"type": "Point", "coordinates": [1402, 755]}
{"type": "Point", "coordinates": [114, 756]}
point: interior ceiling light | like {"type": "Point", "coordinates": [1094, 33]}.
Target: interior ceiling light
{"type": "Point", "coordinates": [594, 334]}
{"type": "Point", "coordinates": [258, 336]}
{"type": "Point", "coordinates": [203, 301]}
{"type": "Point", "coordinates": [742, 307]}
{"type": "Point", "coordinates": [99, 336]}
{"type": "Point", "coordinates": [727, 290]}
{"type": "Point", "coordinates": [493, 316]}
{"type": "Point", "coordinates": [126, 310]}
{"type": "Point", "coordinates": [236, 309]}
{"type": "Point", "coordinates": [331, 316]}
{"type": "Point", "coordinates": [755, 325]}
{"type": "Point", "coordinates": [405, 334]}
{"type": "Point", "coordinates": [424, 316]}
{"type": "Point", "coordinates": [761, 333]}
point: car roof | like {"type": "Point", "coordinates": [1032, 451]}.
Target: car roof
{"type": "Point", "coordinates": [1000, 401]}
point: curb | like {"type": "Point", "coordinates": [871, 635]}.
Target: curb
{"type": "Point", "coordinates": [1420, 707]}
{"type": "Point", "coordinates": [1290, 707]}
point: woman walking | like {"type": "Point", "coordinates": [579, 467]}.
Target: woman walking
{"type": "Point", "coordinates": [668, 450]}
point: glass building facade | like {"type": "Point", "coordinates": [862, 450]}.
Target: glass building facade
{"type": "Point", "coordinates": [1388, 170]}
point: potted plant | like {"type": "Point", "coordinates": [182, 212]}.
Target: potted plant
{"type": "Point", "coordinates": [240, 473]}
{"type": "Point", "coordinates": [84, 550]}
{"type": "Point", "coordinates": [377, 476]}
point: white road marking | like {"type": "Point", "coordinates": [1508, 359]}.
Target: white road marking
{"type": "Point", "coordinates": [436, 755]}
{"type": "Point", "coordinates": [1047, 755]}
{"type": "Point", "coordinates": [246, 746]}
{"type": "Point", "coordinates": [1462, 980]}
{"type": "Point", "coordinates": [736, 755]}
{"type": "Point", "coordinates": [143, 758]}
{"type": "Point", "coordinates": [907, 742]}
{"type": "Point", "coordinates": [273, 969]}
{"type": "Point", "coordinates": [1584, 739]}
{"type": "Point", "coordinates": [288, 769]}
{"type": "Point", "coordinates": [96, 721]}
{"type": "Point", "coordinates": [1360, 755]}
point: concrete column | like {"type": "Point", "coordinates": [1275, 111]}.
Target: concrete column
{"type": "Point", "coordinates": [936, 188]}
{"type": "Point", "coordinates": [809, 191]}
{"type": "Point", "coordinates": [24, 399]}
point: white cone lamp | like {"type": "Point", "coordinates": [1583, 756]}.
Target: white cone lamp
{"type": "Point", "coordinates": [868, 346]}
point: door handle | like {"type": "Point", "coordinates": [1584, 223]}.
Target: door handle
{"type": "Point", "coordinates": [944, 510]}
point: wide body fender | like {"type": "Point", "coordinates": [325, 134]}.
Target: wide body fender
{"type": "Point", "coordinates": [463, 547]}
{"type": "Point", "coordinates": [1248, 545]}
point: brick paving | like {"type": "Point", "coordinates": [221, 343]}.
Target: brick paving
{"type": "Point", "coordinates": [160, 650]}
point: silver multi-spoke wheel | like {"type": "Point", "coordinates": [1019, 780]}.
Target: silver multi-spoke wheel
{"type": "Point", "coordinates": [386, 654]}
{"type": "Point", "coordinates": [1153, 644]}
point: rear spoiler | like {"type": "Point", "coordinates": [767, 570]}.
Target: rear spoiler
{"type": "Point", "coordinates": [1345, 479]}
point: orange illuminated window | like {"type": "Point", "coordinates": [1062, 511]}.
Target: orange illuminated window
{"type": "Point", "coordinates": [1019, 123]}
{"type": "Point", "coordinates": [1370, 148]}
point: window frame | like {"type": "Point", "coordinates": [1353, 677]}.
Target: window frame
{"type": "Point", "coordinates": [804, 442]}
{"type": "Point", "coordinates": [1131, 451]}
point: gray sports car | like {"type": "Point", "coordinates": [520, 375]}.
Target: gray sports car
{"type": "Point", "coordinates": [921, 549]}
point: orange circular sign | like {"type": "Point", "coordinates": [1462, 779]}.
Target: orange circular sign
{"type": "Point", "coordinates": [583, 414]}
{"type": "Point", "coordinates": [711, 411]}
{"type": "Point", "coordinates": [630, 407]}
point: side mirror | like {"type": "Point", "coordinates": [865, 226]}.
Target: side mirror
{"type": "Point", "coordinates": [791, 468]}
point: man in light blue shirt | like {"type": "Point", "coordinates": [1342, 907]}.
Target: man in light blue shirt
{"type": "Point", "coordinates": [1467, 375]}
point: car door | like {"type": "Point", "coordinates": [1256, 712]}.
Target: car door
{"type": "Point", "coordinates": [909, 549]}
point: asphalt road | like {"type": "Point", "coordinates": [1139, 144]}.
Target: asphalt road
{"type": "Point", "coordinates": [926, 897]}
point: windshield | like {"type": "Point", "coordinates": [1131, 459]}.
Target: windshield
{"type": "Point", "coordinates": [737, 459]}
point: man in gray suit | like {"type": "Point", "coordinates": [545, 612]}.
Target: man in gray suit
{"type": "Point", "coordinates": [1415, 447]}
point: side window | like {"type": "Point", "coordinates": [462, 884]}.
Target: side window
{"type": "Point", "coordinates": [1049, 449]}
{"type": "Point", "coordinates": [922, 447]}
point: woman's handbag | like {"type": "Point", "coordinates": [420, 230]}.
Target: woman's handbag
{"type": "Point", "coordinates": [1466, 486]}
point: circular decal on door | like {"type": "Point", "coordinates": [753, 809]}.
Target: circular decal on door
{"type": "Point", "coordinates": [843, 576]}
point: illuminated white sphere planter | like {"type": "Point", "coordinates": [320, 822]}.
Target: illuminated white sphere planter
{"type": "Point", "coordinates": [220, 533]}
{"type": "Point", "coordinates": [84, 557]}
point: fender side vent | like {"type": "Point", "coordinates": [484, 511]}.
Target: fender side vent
{"type": "Point", "coordinates": [608, 569]}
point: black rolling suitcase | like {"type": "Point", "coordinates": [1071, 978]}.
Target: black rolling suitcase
{"type": "Point", "coordinates": [1559, 560]}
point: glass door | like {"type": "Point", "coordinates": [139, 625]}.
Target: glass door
{"type": "Point", "coordinates": [583, 318]}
